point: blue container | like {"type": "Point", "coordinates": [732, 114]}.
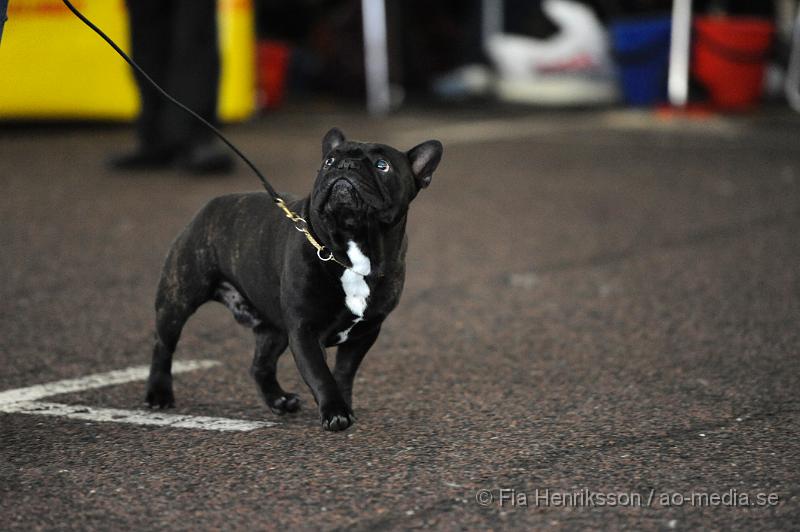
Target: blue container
{"type": "Point", "coordinates": [641, 49]}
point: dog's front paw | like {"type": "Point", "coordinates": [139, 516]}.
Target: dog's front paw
{"type": "Point", "coordinates": [159, 392]}
{"type": "Point", "coordinates": [286, 402]}
{"type": "Point", "coordinates": [336, 415]}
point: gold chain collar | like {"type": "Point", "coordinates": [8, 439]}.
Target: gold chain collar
{"type": "Point", "coordinates": [301, 225]}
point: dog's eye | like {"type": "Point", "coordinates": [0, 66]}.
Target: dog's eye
{"type": "Point", "coordinates": [382, 165]}
{"type": "Point", "coordinates": [328, 162]}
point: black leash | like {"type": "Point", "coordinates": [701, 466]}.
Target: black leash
{"type": "Point", "coordinates": [300, 224]}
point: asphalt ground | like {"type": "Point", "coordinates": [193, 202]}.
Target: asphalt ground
{"type": "Point", "coordinates": [596, 302]}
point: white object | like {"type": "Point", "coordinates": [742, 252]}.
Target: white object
{"type": "Point", "coordinates": [573, 66]}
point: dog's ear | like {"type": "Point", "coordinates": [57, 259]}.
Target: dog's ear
{"type": "Point", "coordinates": [424, 159]}
{"type": "Point", "coordinates": [332, 138]}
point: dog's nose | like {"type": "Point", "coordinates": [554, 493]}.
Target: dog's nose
{"type": "Point", "coordinates": [343, 193]}
{"type": "Point", "coordinates": [344, 204]}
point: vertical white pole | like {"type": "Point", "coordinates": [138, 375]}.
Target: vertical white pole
{"type": "Point", "coordinates": [376, 56]}
{"type": "Point", "coordinates": [793, 72]}
{"type": "Point", "coordinates": [679, 52]}
{"type": "Point", "coordinates": [492, 19]}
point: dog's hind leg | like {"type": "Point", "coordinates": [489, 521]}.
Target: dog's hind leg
{"type": "Point", "coordinates": [270, 345]}
{"type": "Point", "coordinates": [184, 286]}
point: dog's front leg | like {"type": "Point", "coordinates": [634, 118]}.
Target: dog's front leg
{"type": "Point", "coordinates": [309, 355]}
{"type": "Point", "coordinates": [348, 357]}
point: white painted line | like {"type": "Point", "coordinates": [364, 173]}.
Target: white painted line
{"type": "Point", "coordinates": [26, 401]}
{"type": "Point", "coordinates": [98, 380]}
{"type": "Point", "coordinates": [136, 417]}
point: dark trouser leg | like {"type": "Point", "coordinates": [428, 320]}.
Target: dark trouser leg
{"type": "Point", "coordinates": [270, 345]}
{"type": "Point", "coordinates": [348, 358]}
{"type": "Point", "coordinates": [194, 70]}
{"type": "Point", "coordinates": [150, 26]}
{"type": "Point", "coordinates": [309, 356]}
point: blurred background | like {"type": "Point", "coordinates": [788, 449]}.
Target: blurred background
{"type": "Point", "coordinates": [719, 54]}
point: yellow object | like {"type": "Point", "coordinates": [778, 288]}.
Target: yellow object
{"type": "Point", "coordinates": [53, 66]}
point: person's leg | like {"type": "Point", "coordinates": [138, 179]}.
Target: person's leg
{"type": "Point", "coordinates": [194, 80]}
{"type": "Point", "coordinates": [150, 28]}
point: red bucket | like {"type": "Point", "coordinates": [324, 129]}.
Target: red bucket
{"type": "Point", "coordinates": [273, 62]}
{"type": "Point", "coordinates": [730, 54]}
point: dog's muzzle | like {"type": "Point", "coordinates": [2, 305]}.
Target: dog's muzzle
{"type": "Point", "coordinates": [365, 188]}
{"type": "Point", "coordinates": [343, 194]}
{"type": "Point", "coordinates": [345, 205]}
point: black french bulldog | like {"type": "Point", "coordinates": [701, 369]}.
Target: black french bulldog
{"type": "Point", "coordinates": [240, 250]}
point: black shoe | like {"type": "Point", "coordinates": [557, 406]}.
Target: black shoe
{"type": "Point", "coordinates": [207, 158]}
{"type": "Point", "coordinates": [143, 159]}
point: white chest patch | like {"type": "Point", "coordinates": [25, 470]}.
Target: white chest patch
{"type": "Point", "coordinates": [356, 289]}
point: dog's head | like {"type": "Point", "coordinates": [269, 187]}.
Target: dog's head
{"type": "Point", "coordinates": [361, 185]}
